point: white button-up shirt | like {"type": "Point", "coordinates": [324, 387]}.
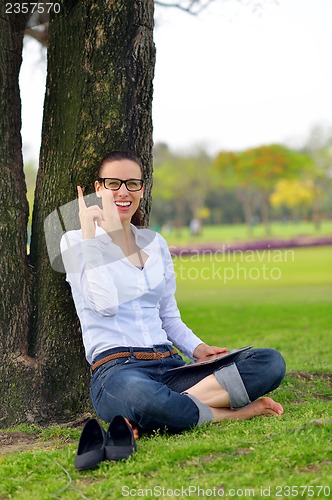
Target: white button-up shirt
{"type": "Point", "coordinates": [119, 304]}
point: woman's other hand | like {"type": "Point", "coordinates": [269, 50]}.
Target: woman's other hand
{"type": "Point", "coordinates": [204, 351]}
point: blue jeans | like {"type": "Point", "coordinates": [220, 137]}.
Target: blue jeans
{"type": "Point", "coordinates": [148, 394]}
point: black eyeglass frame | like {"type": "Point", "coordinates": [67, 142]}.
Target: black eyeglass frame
{"type": "Point", "coordinates": [103, 179]}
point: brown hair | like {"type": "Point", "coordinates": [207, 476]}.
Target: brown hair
{"type": "Point", "coordinates": [137, 218]}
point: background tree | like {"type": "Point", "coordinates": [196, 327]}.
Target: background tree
{"type": "Point", "coordinates": [218, 206]}
{"type": "Point", "coordinates": [228, 174]}
{"type": "Point", "coordinates": [295, 194]}
{"type": "Point", "coordinates": [254, 173]}
{"type": "Point", "coordinates": [319, 148]}
{"type": "Point", "coordinates": [182, 180]}
{"type": "Point", "coordinates": [98, 97]}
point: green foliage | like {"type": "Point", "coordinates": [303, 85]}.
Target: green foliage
{"type": "Point", "coordinates": [243, 458]}
{"type": "Point", "coordinates": [254, 173]}
{"type": "Point", "coordinates": [236, 186]}
{"type": "Point", "coordinates": [261, 167]}
{"type": "Point", "coordinates": [182, 179]}
{"type": "Point", "coordinates": [294, 194]}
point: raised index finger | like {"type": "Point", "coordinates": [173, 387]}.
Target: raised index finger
{"type": "Point", "coordinates": [81, 202]}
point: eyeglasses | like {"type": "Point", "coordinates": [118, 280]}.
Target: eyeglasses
{"type": "Point", "coordinates": [115, 184]}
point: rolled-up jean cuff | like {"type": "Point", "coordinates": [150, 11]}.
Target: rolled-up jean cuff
{"type": "Point", "coordinates": [204, 411]}
{"type": "Point", "coordinates": [230, 379]}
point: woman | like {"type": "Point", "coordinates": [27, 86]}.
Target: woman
{"type": "Point", "coordinates": [123, 286]}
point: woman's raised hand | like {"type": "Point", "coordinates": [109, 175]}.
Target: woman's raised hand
{"type": "Point", "coordinates": [111, 219]}
{"type": "Point", "coordinates": [107, 217]}
{"type": "Point", "coordinates": [88, 216]}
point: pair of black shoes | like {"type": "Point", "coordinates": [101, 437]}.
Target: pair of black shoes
{"type": "Point", "coordinates": [96, 445]}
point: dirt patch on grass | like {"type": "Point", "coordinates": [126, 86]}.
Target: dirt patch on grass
{"type": "Point", "coordinates": [316, 467]}
{"type": "Point", "coordinates": [326, 376]}
{"type": "Point", "coordinates": [323, 397]}
{"type": "Point", "coordinates": [198, 461]}
{"type": "Point", "coordinates": [12, 442]}
{"type": "Point", "coordinates": [315, 380]}
{"type": "Point", "coordinates": [244, 451]}
{"type": "Point", "coordinates": [17, 441]}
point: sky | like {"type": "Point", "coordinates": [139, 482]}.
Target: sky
{"type": "Point", "coordinates": [228, 79]}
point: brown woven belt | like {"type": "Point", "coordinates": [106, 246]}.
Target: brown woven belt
{"type": "Point", "coordinates": [137, 355]}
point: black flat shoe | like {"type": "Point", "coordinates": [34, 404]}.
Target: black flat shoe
{"type": "Point", "coordinates": [91, 450]}
{"type": "Point", "coordinates": [120, 442]}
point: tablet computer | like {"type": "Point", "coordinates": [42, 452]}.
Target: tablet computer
{"type": "Point", "coordinates": [217, 359]}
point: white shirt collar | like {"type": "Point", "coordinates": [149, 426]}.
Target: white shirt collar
{"type": "Point", "coordinates": [143, 237]}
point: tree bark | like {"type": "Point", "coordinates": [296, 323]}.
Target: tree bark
{"type": "Point", "coordinates": [246, 199]}
{"type": "Point", "coordinates": [317, 209]}
{"type": "Point", "coordinates": [15, 273]}
{"type": "Point", "coordinates": [98, 98]}
{"type": "Point", "coordinates": [265, 212]}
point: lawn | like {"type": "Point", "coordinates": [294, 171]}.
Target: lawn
{"type": "Point", "coordinates": [232, 233]}
{"type": "Point", "coordinates": [230, 303]}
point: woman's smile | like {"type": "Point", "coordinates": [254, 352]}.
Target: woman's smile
{"type": "Point", "coordinates": [123, 206]}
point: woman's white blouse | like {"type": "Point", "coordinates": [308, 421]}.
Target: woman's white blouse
{"type": "Point", "coordinates": [119, 304]}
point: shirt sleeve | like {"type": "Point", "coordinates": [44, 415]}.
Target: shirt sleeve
{"type": "Point", "coordinates": [177, 331]}
{"type": "Point", "coordinates": [87, 273]}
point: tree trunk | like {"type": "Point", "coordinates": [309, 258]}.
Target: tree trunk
{"type": "Point", "coordinates": [15, 273]}
{"type": "Point", "coordinates": [179, 221]}
{"type": "Point", "coordinates": [98, 97]}
{"type": "Point", "coordinates": [317, 211]}
{"type": "Point", "coordinates": [245, 198]}
{"type": "Point", "coordinates": [265, 213]}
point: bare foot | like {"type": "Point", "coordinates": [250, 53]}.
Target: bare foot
{"type": "Point", "coordinates": [262, 406]}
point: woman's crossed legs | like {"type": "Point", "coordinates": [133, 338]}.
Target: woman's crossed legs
{"type": "Point", "coordinates": [260, 371]}
{"type": "Point", "coordinates": [153, 397]}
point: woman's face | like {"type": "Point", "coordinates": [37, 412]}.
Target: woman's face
{"type": "Point", "coordinates": [127, 202]}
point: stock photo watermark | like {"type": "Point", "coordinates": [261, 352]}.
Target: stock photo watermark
{"type": "Point", "coordinates": [227, 265]}
{"type": "Point", "coordinates": [294, 491]}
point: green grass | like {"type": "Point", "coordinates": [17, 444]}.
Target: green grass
{"type": "Point", "coordinates": [230, 233]}
{"type": "Point", "coordinates": [248, 458]}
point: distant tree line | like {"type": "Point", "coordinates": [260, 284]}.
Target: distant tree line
{"type": "Point", "coordinates": [255, 185]}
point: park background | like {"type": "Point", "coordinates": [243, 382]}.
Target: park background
{"type": "Point", "coordinates": [235, 77]}
{"type": "Point", "coordinates": [229, 190]}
